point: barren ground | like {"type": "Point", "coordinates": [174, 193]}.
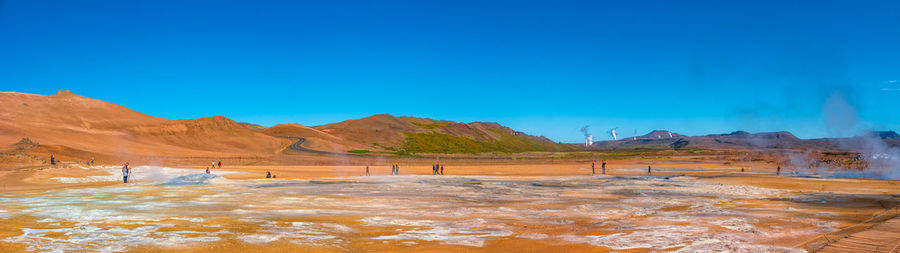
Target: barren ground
{"type": "Point", "coordinates": [685, 205]}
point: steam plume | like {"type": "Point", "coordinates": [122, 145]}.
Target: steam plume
{"type": "Point", "coordinates": [588, 138]}
{"type": "Point", "coordinates": [841, 119]}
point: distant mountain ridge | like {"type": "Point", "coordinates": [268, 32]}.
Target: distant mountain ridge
{"type": "Point", "coordinates": [72, 123]}
{"type": "Point", "coordinates": [658, 139]}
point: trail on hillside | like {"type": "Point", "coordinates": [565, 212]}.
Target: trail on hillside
{"type": "Point", "coordinates": [298, 146]}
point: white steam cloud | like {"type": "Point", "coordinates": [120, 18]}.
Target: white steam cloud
{"type": "Point", "coordinates": [588, 138]}
{"type": "Point", "coordinates": [842, 119]}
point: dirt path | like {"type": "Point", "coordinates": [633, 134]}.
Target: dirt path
{"type": "Point", "coordinates": [879, 234]}
{"type": "Point", "coordinates": [298, 146]}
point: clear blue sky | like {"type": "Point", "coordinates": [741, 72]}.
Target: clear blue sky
{"type": "Point", "coordinates": [544, 67]}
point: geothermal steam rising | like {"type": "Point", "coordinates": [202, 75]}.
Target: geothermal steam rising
{"type": "Point", "coordinates": [842, 120]}
{"type": "Point", "coordinates": [612, 133]}
{"type": "Point", "coordinates": [588, 138]}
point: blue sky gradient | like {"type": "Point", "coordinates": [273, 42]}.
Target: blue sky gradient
{"type": "Point", "coordinates": [543, 67]}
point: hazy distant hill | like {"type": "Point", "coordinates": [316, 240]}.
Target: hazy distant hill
{"type": "Point", "coordinates": [659, 139]}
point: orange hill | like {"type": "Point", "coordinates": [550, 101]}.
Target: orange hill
{"type": "Point", "coordinates": [419, 135]}
{"type": "Point", "coordinates": [69, 124]}
{"type": "Point", "coordinates": [93, 126]}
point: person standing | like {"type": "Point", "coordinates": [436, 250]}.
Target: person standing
{"type": "Point", "coordinates": [442, 170]}
{"type": "Point", "coordinates": [648, 170]}
{"type": "Point", "coordinates": [52, 160]}
{"type": "Point", "coordinates": [592, 168]}
{"type": "Point", "coordinates": [367, 170]}
{"type": "Point", "coordinates": [220, 164]}
{"type": "Point", "coordinates": [92, 161]}
{"type": "Point", "coordinates": [397, 170]}
{"type": "Point", "coordinates": [125, 172]}
{"type": "Point", "coordinates": [603, 167]}
{"type": "Point", "coordinates": [778, 171]}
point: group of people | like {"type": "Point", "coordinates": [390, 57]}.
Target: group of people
{"type": "Point", "coordinates": [602, 165]}
{"type": "Point", "coordinates": [214, 166]}
{"type": "Point", "coordinates": [437, 169]}
{"type": "Point", "coordinates": [54, 161]}
{"type": "Point", "coordinates": [395, 169]}
{"type": "Point", "coordinates": [603, 168]}
{"type": "Point", "coordinates": [603, 171]}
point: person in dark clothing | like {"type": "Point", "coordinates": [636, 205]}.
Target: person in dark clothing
{"type": "Point", "coordinates": [603, 167]}
{"type": "Point", "coordinates": [592, 169]}
{"type": "Point", "coordinates": [268, 174]}
{"type": "Point", "coordinates": [778, 171]}
{"type": "Point", "coordinates": [125, 172]}
{"type": "Point", "coordinates": [648, 170]}
{"type": "Point", "coordinates": [367, 170]}
{"type": "Point", "coordinates": [52, 160]}
{"type": "Point", "coordinates": [442, 170]}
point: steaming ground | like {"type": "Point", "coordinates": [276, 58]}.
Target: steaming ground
{"type": "Point", "coordinates": [180, 209]}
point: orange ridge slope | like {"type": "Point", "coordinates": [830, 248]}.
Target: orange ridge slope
{"type": "Point", "coordinates": [91, 125]}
